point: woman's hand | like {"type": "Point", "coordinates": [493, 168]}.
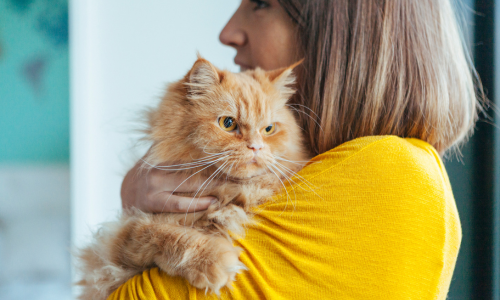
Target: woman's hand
{"type": "Point", "coordinates": [149, 192]}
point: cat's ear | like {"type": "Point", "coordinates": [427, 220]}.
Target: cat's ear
{"type": "Point", "coordinates": [202, 76]}
{"type": "Point", "coordinates": [283, 79]}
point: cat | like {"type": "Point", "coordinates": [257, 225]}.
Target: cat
{"type": "Point", "coordinates": [236, 131]}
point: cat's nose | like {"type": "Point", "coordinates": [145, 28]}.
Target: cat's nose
{"type": "Point", "coordinates": [255, 148]}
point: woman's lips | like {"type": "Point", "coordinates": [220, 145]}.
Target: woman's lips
{"type": "Point", "coordinates": [243, 66]}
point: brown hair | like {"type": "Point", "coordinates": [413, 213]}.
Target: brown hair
{"type": "Point", "coordinates": [383, 67]}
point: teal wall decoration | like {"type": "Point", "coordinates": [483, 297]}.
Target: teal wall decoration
{"type": "Point", "coordinates": [34, 81]}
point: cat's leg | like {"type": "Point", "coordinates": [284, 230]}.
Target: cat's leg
{"type": "Point", "coordinates": [206, 261]}
{"type": "Point", "coordinates": [230, 217]}
{"type": "Point", "coordinates": [100, 274]}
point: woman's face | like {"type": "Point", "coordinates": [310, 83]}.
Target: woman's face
{"type": "Point", "coordinates": [263, 35]}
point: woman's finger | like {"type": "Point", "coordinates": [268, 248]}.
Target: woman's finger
{"type": "Point", "coordinates": [161, 180]}
{"type": "Point", "coordinates": [165, 202]}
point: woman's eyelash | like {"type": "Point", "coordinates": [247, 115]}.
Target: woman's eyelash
{"type": "Point", "coordinates": [259, 4]}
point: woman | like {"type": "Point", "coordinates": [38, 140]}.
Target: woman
{"type": "Point", "coordinates": [385, 89]}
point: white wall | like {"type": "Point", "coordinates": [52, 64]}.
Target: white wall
{"type": "Point", "coordinates": [122, 55]}
{"type": "Point", "coordinates": [34, 232]}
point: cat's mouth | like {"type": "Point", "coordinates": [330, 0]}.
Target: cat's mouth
{"type": "Point", "coordinates": [248, 171]}
{"type": "Point", "coordinates": [253, 161]}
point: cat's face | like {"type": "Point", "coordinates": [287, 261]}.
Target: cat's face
{"type": "Point", "coordinates": [237, 122]}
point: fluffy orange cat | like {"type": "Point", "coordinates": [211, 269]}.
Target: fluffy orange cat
{"type": "Point", "coordinates": [237, 131]}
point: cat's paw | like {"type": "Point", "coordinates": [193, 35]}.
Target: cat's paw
{"type": "Point", "coordinates": [216, 266]}
{"type": "Point", "coordinates": [231, 217]}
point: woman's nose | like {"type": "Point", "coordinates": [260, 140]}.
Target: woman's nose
{"type": "Point", "coordinates": [232, 34]}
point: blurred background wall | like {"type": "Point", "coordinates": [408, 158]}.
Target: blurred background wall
{"type": "Point", "coordinates": [122, 55]}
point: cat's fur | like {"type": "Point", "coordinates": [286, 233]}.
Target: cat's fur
{"type": "Point", "coordinates": [186, 133]}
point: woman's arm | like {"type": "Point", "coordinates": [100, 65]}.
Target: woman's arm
{"type": "Point", "coordinates": [151, 191]}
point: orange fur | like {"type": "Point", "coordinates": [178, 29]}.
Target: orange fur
{"type": "Point", "coordinates": [186, 133]}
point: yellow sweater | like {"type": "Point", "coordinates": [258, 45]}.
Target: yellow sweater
{"type": "Point", "coordinates": [374, 218]}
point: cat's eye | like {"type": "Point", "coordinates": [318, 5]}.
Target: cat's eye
{"type": "Point", "coordinates": [270, 129]}
{"type": "Point", "coordinates": [227, 123]}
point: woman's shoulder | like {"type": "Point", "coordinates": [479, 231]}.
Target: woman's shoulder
{"type": "Point", "coordinates": [378, 205]}
{"type": "Point", "coordinates": [387, 146]}
{"type": "Point", "coordinates": [401, 180]}
{"type": "Point", "coordinates": [411, 161]}
{"type": "Point", "coordinates": [394, 194]}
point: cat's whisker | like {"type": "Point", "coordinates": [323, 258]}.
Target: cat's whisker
{"type": "Point", "coordinates": [222, 172]}
{"type": "Point", "coordinates": [183, 183]}
{"type": "Point", "coordinates": [298, 162]}
{"type": "Point", "coordinates": [211, 177]}
{"type": "Point", "coordinates": [213, 155]}
{"type": "Point", "coordinates": [292, 185]}
{"type": "Point", "coordinates": [197, 199]}
{"type": "Point", "coordinates": [190, 165]}
{"type": "Point", "coordinates": [204, 148]}
{"type": "Point", "coordinates": [229, 171]}
{"type": "Point", "coordinates": [293, 104]}
{"type": "Point", "coordinates": [284, 187]}
{"type": "Point", "coordinates": [289, 171]}
{"type": "Point", "coordinates": [286, 176]}
{"type": "Point", "coordinates": [200, 160]}
{"type": "Point", "coordinates": [291, 181]}
{"type": "Point", "coordinates": [187, 168]}
{"type": "Point", "coordinates": [295, 184]}
{"type": "Point", "coordinates": [303, 106]}
{"type": "Point", "coordinates": [305, 113]}
{"type": "Point", "coordinates": [293, 173]}
{"type": "Point", "coordinates": [219, 170]}
{"type": "Point", "coordinates": [302, 179]}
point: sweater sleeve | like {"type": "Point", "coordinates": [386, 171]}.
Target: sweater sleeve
{"type": "Point", "coordinates": [374, 218]}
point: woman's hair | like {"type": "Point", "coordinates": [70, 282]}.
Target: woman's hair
{"type": "Point", "coordinates": [384, 67]}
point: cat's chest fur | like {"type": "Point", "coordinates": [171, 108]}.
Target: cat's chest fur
{"type": "Point", "coordinates": [245, 194]}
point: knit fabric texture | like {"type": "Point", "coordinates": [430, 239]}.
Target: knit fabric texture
{"type": "Point", "coordinates": [374, 218]}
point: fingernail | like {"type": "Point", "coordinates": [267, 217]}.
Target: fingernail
{"type": "Point", "coordinates": [213, 200]}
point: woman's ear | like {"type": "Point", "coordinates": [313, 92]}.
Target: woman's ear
{"type": "Point", "coordinates": [283, 79]}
